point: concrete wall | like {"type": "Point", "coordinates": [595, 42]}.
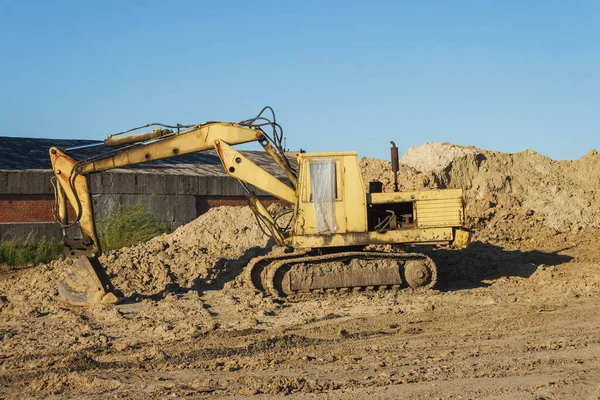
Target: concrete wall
{"type": "Point", "coordinates": [27, 198]}
{"type": "Point", "coordinates": [21, 182]}
{"type": "Point", "coordinates": [173, 209]}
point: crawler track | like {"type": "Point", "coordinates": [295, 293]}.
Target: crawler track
{"type": "Point", "coordinates": [305, 271]}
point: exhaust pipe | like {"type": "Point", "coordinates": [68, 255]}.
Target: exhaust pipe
{"type": "Point", "coordinates": [395, 165]}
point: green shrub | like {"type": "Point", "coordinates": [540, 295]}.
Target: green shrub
{"type": "Point", "coordinates": [29, 251]}
{"type": "Point", "coordinates": [126, 226]}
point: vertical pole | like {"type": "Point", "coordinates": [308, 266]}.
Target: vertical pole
{"type": "Point", "coordinates": [395, 165]}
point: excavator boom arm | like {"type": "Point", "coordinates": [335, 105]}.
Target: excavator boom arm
{"type": "Point", "coordinates": [72, 185]}
{"type": "Point", "coordinates": [197, 139]}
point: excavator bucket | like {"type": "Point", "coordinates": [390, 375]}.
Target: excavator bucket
{"type": "Point", "coordinates": [81, 284]}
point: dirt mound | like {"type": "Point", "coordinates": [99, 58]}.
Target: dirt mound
{"type": "Point", "coordinates": [434, 156]}
{"type": "Point", "coordinates": [207, 252]}
{"type": "Point", "coordinates": [507, 195]}
{"type": "Point", "coordinates": [374, 169]}
{"type": "Point", "coordinates": [212, 249]}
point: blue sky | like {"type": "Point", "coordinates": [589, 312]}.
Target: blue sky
{"type": "Point", "coordinates": [341, 75]}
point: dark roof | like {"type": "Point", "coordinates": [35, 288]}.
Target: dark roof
{"type": "Point", "coordinates": [32, 153]}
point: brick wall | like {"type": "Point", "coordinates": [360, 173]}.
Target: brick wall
{"type": "Point", "coordinates": [28, 208]}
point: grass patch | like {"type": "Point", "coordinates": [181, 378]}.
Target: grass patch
{"type": "Point", "coordinates": [29, 251]}
{"type": "Point", "coordinates": [126, 226]}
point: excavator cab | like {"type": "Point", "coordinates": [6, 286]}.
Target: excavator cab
{"type": "Point", "coordinates": [334, 210]}
{"type": "Point", "coordinates": [331, 196]}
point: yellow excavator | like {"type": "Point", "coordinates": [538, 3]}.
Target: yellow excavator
{"type": "Point", "coordinates": [333, 218]}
